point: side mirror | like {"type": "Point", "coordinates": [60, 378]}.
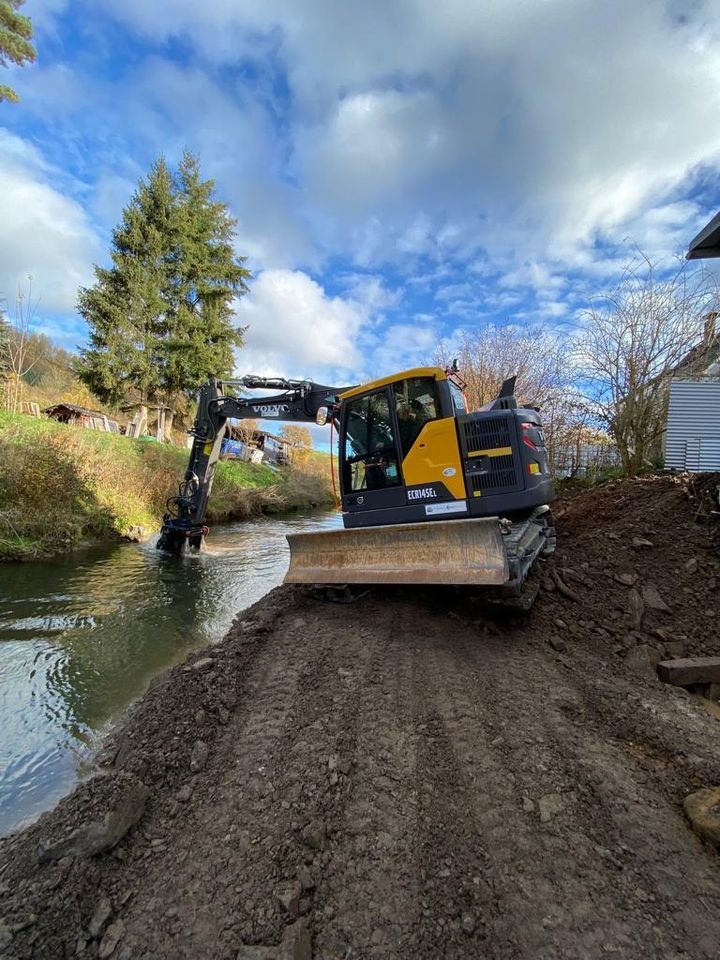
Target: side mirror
{"type": "Point", "coordinates": [321, 417]}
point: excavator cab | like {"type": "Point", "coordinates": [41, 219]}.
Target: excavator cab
{"type": "Point", "coordinates": [410, 451]}
{"type": "Point", "coordinates": [411, 458]}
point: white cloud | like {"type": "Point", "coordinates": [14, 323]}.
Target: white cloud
{"type": "Point", "coordinates": [526, 139]}
{"type": "Point", "coordinates": [382, 144]}
{"type": "Point", "coordinates": [296, 330]}
{"type": "Point", "coordinates": [44, 12]}
{"type": "Point", "coordinates": [424, 130]}
{"type": "Point", "coordinates": [400, 346]}
{"type": "Point", "coordinates": [453, 290]}
{"type": "Point", "coordinates": [552, 131]}
{"type": "Point", "coordinates": [238, 147]}
{"type": "Point", "coordinates": [372, 292]}
{"type": "Point", "coordinates": [45, 234]}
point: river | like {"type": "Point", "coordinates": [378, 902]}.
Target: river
{"type": "Point", "coordinates": [82, 635]}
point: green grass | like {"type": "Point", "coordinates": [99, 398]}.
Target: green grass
{"type": "Point", "coordinates": [62, 485]}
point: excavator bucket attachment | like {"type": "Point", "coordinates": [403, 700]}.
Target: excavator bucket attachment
{"type": "Point", "coordinates": [450, 552]}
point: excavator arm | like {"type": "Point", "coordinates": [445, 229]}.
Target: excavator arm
{"type": "Point", "coordinates": [297, 401]}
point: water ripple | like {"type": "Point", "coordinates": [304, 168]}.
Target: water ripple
{"type": "Point", "coordinates": [83, 635]}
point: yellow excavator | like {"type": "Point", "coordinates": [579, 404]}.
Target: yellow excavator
{"type": "Point", "coordinates": [430, 493]}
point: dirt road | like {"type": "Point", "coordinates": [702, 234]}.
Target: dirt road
{"type": "Point", "coordinates": [408, 777]}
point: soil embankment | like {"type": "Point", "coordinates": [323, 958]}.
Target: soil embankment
{"type": "Point", "coordinates": [61, 486]}
{"type": "Point", "coordinates": [411, 777]}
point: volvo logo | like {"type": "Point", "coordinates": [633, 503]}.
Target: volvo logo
{"type": "Point", "coordinates": [271, 409]}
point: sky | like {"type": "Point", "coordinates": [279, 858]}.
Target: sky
{"type": "Point", "coordinates": [400, 170]}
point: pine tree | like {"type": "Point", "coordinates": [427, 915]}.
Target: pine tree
{"type": "Point", "coordinates": [16, 32]}
{"type": "Point", "coordinates": [199, 335]}
{"type": "Point", "coordinates": [124, 308]}
{"type": "Point", "coordinates": [160, 317]}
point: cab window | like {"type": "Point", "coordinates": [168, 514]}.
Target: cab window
{"type": "Point", "coordinates": [370, 452]}
{"type": "Point", "coordinates": [458, 397]}
{"type": "Point", "coordinates": [416, 403]}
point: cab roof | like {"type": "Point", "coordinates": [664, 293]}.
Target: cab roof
{"type": "Point", "coordinates": [437, 373]}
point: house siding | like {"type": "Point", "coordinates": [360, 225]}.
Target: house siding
{"type": "Point", "coordinates": [692, 439]}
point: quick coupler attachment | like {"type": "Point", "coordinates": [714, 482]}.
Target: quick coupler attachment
{"type": "Point", "coordinates": [176, 535]}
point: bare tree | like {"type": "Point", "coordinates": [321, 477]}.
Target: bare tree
{"type": "Point", "coordinates": [245, 430]}
{"type": "Point", "coordinates": [545, 376]}
{"type": "Point", "coordinates": [20, 358]}
{"type": "Point", "coordinates": [300, 440]}
{"type": "Point", "coordinates": [490, 354]}
{"type": "Point", "coordinates": [633, 339]}
{"type": "Point", "coordinates": [4, 347]}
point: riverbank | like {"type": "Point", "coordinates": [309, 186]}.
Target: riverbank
{"type": "Point", "coordinates": [61, 486]}
{"type": "Point", "coordinates": [410, 777]}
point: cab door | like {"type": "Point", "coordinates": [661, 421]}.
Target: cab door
{"type": "Point", "coordinates": [431, 463]}
{"type": "Point", "coordinates": [370, 462]}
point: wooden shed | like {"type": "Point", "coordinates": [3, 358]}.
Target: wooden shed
{"type": "Point", "coordinates": [81, 417]}
{"type": "Point", "coordinates": [259, 445]}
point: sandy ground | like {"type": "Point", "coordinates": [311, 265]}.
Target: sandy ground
{"type": "Point", "coordinates": [411, 776]}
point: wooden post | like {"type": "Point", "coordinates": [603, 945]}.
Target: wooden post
{"type": "Point", "coordinates": [137, 425]}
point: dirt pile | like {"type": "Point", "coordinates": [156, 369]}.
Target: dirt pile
{"type": "Point", "coordinates": [639, 563]}
{"type": "Point", "coordinates": [411, 776]}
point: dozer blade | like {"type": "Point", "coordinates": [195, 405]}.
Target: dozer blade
{"type": "Point", "coordinates": [449, 552]}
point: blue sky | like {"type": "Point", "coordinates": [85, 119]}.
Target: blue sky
{"type": "Point", "coordinates": [400, 169]}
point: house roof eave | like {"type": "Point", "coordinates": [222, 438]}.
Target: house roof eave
{"type": "Point", "coordinates": [707, 243]}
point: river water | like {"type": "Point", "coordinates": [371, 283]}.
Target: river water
{"type": "Point", "coordinates": [82, 635]}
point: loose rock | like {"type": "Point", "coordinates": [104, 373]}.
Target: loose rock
{"type": "Point", "coordinates": [702, 809]}
{"type": "Point", "coordinates": [296, 943]}
{"type": "Point", "coordinates": [99, 836]}
{"type": "Point", "coordinates": [653, 600]}
{"type": "Point", "coordinates": [643, 658]}
{"type": "Point", "coordinates": [305, 879]}
{"type": "Point", "coordinates": [204, 663]}
{"type": "Point", "coordinates": [110, 940]}
{"type": "Point", "coordinates": [100, 917]}
{"type": "Point", "coordinates": [314, 834]}
{"type": "Point", "coordinates": [289, 897]}
{"type": "Point", "coordinates": [199, 756]}
{"type": "Point", "coordinates": [549, 806]}
{"type": "Point", "coordinates": [626, 579]}
{"type": "Point", "coordinates": [636, 607]}
{"type": "Point", "coordinates": [675, 649]}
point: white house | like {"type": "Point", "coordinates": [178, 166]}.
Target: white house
{"type": "Point", "coordinates": [692, 438]}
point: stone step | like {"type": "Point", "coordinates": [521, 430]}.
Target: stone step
{"type": "Point", "coordinates": [691, 670]}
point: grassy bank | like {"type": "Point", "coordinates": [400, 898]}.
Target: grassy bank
{"type": "Point", "coordinates": [61, 486]}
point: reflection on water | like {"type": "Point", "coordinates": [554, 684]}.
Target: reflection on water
{"type": "Point", "coordinates": [81, 636]}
